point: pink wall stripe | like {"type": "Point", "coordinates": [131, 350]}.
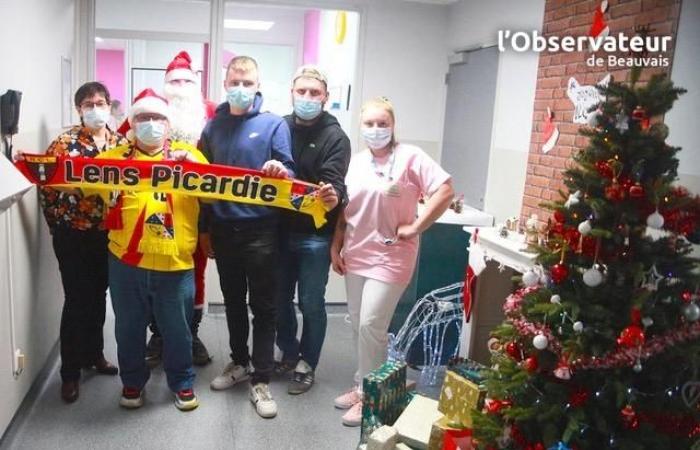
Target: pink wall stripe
{"type": "Point", "coordinates": [312, 26]}
{"type": "Point", "coordinates": [110, 71]}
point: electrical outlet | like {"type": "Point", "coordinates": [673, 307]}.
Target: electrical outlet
{"type": "Point", "coordinates": [19, 362]}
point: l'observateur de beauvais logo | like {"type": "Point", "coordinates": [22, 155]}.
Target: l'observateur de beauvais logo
{"type": "Point", "coordinates": [643, 51]}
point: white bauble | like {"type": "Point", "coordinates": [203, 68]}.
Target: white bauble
{"type": "Point", "coordinates": [578, 326]}
{"type": "Point", "coordinates": [691, 312]}
{"type": "Point", "coordinates": [655, 220]}
{"type": "Point", "coordinates": [585, 227]}
{"type": "Point", "coordinates": [540, 342]}
{"type": "Point", "coordinates": [647, 321]}
{"type": "Point", "coordinates": [592, 277]}
{"type": "Point", "coordinates": [556, 299]}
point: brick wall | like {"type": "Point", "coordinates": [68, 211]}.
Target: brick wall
{"type": "Point", "coordinates": [574, 18]}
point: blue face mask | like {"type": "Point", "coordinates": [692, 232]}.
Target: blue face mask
{"type": "Point", "coordinates": [307, 109]}
{"type": "Point", "coordinates": [150, 133]}
{"type": "Point", "coordinates": [240, 97]}
{"type": "Point", "coordinates": [96, 118]}
{"type": "Point", "coordinates": [376, 138]}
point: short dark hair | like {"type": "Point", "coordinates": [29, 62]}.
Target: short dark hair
{"type": "Point", "coordinates": [88, 90]}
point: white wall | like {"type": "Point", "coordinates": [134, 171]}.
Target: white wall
{"type": "Point", "coordinates": [683, 118]}
{"type": "Point", "coordinates": [47, 29]}
{"type": "Point", "coordinates": [472, 25]}
{"type": "Point", "coordinates": [339, 61]}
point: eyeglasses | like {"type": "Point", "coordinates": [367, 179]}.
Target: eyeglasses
{"type": "Point", "coordinates": [90, 105]}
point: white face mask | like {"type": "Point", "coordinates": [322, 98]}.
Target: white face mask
{"type": "Point", "coordinates": [96, 118]}
{"type": "Point", "coordinates": [376, 138]}
{"type": "Point", "coordinates": [150, 133]}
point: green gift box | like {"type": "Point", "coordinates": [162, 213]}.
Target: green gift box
{"type": "Point", "coordinates": [383, 397]}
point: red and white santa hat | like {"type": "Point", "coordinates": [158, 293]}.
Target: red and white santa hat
{"type": "Point", "coordinates": [148, 102]}
{"type": "Point", "coordinates": [180, 68]}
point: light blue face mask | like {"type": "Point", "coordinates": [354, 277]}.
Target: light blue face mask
{"type": "Point", "coordinates": [150, 133]}
{"type": "Point", "coordinates": [96, 118]}
{"type": "Point", "coordinates": [240, 97]}
{"type": "Point", "coordinates": [307, 109]}
{"type": "Point", "coordinates": [376, 138]}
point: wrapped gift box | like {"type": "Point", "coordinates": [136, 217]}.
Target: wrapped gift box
{"type": "Point", "coordinates": [383, 397]}
{"type": "Point", "coordinates": [415, 423]}
{"type": "Point", "coordinates": [458, 397]}
{"type": "Point", "coordinates": [441, 428]}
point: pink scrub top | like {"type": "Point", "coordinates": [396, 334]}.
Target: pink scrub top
{"type": "Point", "coordinates": [383, 193]}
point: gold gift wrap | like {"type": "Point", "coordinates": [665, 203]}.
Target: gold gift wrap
{"type": "Point", "coordinates": [459, 396]}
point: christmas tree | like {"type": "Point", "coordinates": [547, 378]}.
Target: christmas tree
{"type": "Point", "coordinates": [601, 346]}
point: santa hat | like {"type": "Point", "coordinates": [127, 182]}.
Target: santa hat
{"type": "Point", "coordinates": [148, 102]}
{"type": "Point", "coordinates": [180, 68]}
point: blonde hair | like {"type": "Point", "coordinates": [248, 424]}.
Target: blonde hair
{"type": "Point", "coordinates": [310, 71]}
{"type": "Point", "coordinates": [385, 104]}
{"type": "Point", "coordinates": [242, 64]}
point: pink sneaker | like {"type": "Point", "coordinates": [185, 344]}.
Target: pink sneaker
{"type": "Point", "coordinates": [348, 399]}
{"type": "Point", "coordinates": [353, 418]}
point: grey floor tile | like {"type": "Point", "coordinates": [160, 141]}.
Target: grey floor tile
{"type": "Point", "coordinates": [224, 420]}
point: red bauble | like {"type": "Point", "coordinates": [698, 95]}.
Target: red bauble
{"type": "Point", "coordinates": [604, 169]}
{"type": "Point", "coordinates": [530, 364]}
{"type": "Point", "coordinates": [636, 191]}
{"type": "Point", "coordinates": [578, 397]}
{"type": "Point", "coordinates": [615, 192]}
{"type": "Point", "coordinates": [629, 418]}
{"type": "Point", "coordinates": [632, 336]}
{"type": "Point", "coordinates": [494, 406]}
{"type": "Point", "coordinates": [559, 216]}
{"type": "Point", "coordinates": [559, 272]}
{"type": "Point", "coordinates": [687, 296]}
{"type": "Point", "coordinates": [513, 350]}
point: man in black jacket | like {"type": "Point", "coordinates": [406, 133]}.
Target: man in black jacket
{"type": "Point", "coordinates": [321, 152]}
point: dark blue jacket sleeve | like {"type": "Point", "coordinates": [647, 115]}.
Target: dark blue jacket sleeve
{"type": "Point", "coordinates": [282, 147]}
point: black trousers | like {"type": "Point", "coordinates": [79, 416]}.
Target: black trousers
{"type": "Point", "coordinates": [246, 257]}
{"type": "Point", "coordinates": [82, 260]}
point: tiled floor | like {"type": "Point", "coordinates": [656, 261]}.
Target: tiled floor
{"type": "Point", "coordinates": [224, 420]}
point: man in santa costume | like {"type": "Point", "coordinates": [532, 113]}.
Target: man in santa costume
{"type": "Point", "coordinates": [188, 113]}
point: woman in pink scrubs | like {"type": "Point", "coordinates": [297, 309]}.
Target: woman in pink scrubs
{"type": "Point", "coordinates": [376, 241]}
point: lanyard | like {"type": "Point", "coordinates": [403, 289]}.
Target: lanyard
{"type": "Point", "coordinates": [380, 173]}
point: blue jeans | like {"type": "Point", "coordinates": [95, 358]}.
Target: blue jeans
{"type": "Point", "coordinates": [304, 261]}
{"type": "Point", "coordinates": [168, 296]}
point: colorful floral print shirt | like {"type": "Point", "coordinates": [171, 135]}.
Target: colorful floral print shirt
{"type": "Point", "coordinates": [62, 209]}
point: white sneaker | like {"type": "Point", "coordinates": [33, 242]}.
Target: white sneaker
{"type": "Point", "coordinates": [261, 397]}
{"type": "Point", "coordinates": [231, 375]}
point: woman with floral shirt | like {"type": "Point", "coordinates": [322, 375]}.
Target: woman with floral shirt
{"type": "Point", "coordinates": [80, 243]}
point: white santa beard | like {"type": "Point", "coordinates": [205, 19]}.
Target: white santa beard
{"type": "Point", "coordinates": [187, 117]}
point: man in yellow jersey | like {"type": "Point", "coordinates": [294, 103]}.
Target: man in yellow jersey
{"type": "Point", "coordinates": [151, 241]}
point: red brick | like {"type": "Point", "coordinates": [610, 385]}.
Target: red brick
{"type": "Point", "coordinates": [533, 191]}
{"type": "Point", "coordinates": [563, 105]}
{"type": "Point", "coordinates": [657, 14]}
{"type": "Point", "coordinates": [560, 13]}
{"type": "Point", "coordinates": [566, 139]}
{"type": "Point", "coordinates": [580, 141]}
{"type": "Point", "coordinates": [558, 25]}
{"type": "Point", "coordinates": [543, 93]}
{"type": "Point", "coordinates": [547, 83]}
{"type": "Point", "coordinates": [554, 71]}
{"type": "Point", "coordinates": [626, 9]}
{"type": "Point", "coordinates": [623, 24]}
{"type": "Point", "coordinates": [544, 171]}
{"type": "Point", "coordinates": [538, 181]}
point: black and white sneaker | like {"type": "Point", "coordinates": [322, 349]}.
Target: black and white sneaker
{"type": "Point", "coordinates": [302, 378]}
